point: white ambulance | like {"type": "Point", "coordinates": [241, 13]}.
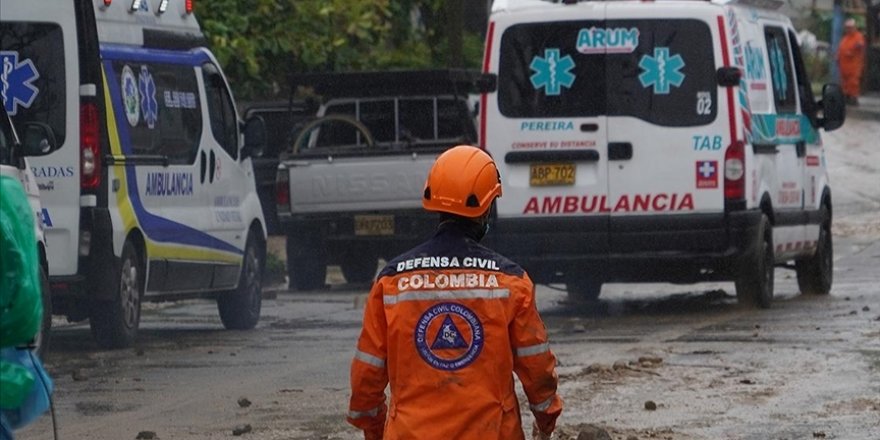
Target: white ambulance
{"type": "Point", "coordinates": [657, 141]}
{"type": "Point", "coordinates": [149, 194]}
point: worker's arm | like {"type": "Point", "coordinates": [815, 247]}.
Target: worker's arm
{"type": "Point", "coordinates": [369, 373]}
{"type": "Point", "coordinates": [534, 363]}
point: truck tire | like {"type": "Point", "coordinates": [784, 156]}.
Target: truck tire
{"type": "Point", "coordinates": [359, 265]}
{"type": "Point", "coordinates": [815, 274]}
{"type": "Point", "coordinates": [583, 289]}
{"type": "Point", "coordinates": [754, 283]}
{"type": "Point", "coordinates": [41, 341]}
{"type": "Point", "coordinates": [115, 323]}
{"type": "Point", "coordinates": [307, 265]}
{"type": "Point", "coordinates": [240, 308]}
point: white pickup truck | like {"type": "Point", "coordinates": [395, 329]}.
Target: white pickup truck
{"type": "Point", "coordinates": [349, 186]}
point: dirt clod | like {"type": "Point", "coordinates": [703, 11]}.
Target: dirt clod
{"type": "Point", "coordinates": [866, 309]}
{"type": "Point", "coordinates": [819, 434]}
{"type": "Point", "coordinates": [146, 435]}
{"type": "Point", "coordinates": [242, 429]}
{"type": "Point", "coordinates": [650, 405]}
{"type": "Point", "coordinates": [597, 368]}
{"type": "Point", "coordinates": [592, 432]}
{"type": "Point", "coordinates": [244, 402]}
{"type": "Point", "coordinates": [79, 375]}
{"type": "Point", "coordinates": [747, 382]}
{"type": "Point", "coordinates": [631, 437]}
{"type": "Point", "coordinates": [650, 359]}
{"type": "Point", "coordinates": [139, 352]}
{"type": "Point", "coordinates": [620, 365]}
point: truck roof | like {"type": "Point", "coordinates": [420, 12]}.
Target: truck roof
{"type": "Point", "coordinates": [388, 83]}
{"type": "Point", "coordinates": [158, 23]}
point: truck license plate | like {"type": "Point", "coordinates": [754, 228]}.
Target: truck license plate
{"type": "Point", "coordinates": [549, 174]}
{"type": "Point", "coordinates": [374, 225]}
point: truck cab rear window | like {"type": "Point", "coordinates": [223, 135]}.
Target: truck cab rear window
{"type": "Point", "coordinates": [660, 71]}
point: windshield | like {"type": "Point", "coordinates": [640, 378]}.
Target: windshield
{"type": "Point", "coordinates": [660, 71]}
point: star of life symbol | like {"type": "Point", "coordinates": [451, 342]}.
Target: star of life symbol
{"type": "Point", "coordinates": [707, 169]}
{"type": "Point", "coordinates": [16, 82]}
{"type": "Point", "coordinates": [661, 71]}
{"type": "Point", "coordinates": [551, 72]}
{"type": "Point", "coordinates": [149, 104]}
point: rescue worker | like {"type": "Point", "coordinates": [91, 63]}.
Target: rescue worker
{"type": "Point", "coordinates": [21, 305]}
{"type": "Point", "coordinates": [851, 61]}
{"type": "Point", "coordinates": [449, 322]}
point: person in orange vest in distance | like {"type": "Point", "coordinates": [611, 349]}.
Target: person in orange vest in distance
{"type": "Point", "coordinates": [851, 61]}
{"type": "Point", "coordinates": [449, 322]}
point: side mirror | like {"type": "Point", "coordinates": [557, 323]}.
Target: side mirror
{"type": "Point", "coordinates": [728, 76]}
{"type": "Point", "coordinates": [487, 83]}
{"type": "Point", "coordinates": [254, 137]}
{"type": "Point", "coordinates": [38, 139]}
{"type": "Point", "coordinates": [833, 107]}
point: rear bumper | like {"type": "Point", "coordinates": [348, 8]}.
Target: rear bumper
{"type": "Point", "coordinates": [335, 232]}
{"type": "Point", "coordinates": [668, 248]}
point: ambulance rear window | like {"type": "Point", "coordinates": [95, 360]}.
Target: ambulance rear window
{"type": "Point", "coordinates": [32, 74]}
{"type": "Point", "coordinates": [660, 71]}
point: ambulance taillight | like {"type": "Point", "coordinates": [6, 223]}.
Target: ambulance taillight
{"type": "Point", "coordinates": [90, 147]}
{"type": "Point", "coordinates": [735, 171]}
{"type": "Point", "coordinates": [189, 6]}
{"type": "Point", "coordinates": [282, 189]}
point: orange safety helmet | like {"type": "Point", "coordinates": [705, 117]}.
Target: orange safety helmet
{"type": "Point", "coordinates": [463, 181]}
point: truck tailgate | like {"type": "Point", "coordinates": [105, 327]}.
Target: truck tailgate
{"type": "Point", "coordinates": [386, 182]}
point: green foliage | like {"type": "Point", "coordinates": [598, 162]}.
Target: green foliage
{"type": "Point", "coordinates": [260, 42]}
{"type": "Point", "coordinates": [276, 270]}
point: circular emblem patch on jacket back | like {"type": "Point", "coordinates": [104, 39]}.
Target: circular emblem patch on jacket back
{"type": "Point", "coordinates": [449, 336]}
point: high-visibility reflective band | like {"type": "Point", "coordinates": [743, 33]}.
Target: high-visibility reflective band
{"type": "Point", "coordinates": [541, 407]}
{"type": "Point", "coordinates": [533, 350]}
{"type": "Point", "coordinates": [447, 294]}
{"type": "Point", "coordinates": [358, 414]}
{"type": "Point", "coordinates": [370, 359]}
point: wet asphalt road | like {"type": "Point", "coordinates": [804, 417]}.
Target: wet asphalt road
{"type": "Point", "coordinates": [807, 368]}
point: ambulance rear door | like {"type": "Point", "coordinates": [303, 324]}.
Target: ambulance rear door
{"type": "Point", "coordinates": [548, 135]}
{"type": "Point", "coordinates": [666, 134]}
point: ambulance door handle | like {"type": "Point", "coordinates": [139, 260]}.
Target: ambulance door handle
{"type": "Point", "coordinates": [801, 149]}
{"type": "Point", "coordinates": [589, 128]}
{"type": "Point", "coordinates": [202, 165]}
{"type": "Point", "coordinates": [620, 151]}
{"type": "Point", "coordinates": [211, 169]}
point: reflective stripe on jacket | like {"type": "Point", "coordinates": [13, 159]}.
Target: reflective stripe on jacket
{"type": "Point", "coordinates": [448, 324]}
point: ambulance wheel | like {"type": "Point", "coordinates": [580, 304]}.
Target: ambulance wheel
{"type": "Point", "coordinates": [41, 340]}
{"type": "Point", "coordinates": [240, 308]}
{"type": "Point", "coordinates": [583, 289]}
{"type": "Point", "coordinates": [115, 323]}
{"type": "Point", "coordinates": [754, 285]}
{"type": "Point", "coordinates": [358, 265]}
{"type": "Point", "coordinates": [815, 274]}
{"type": "Point", "coordinates": [306, 263]}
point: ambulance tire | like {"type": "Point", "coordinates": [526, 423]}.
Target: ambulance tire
{"type": "Point", "coordinates": [41, 340]}
{"type": "Point", "coordinates": [754, 285]}
{"type": "Point", "coordinates": [815, 274]}
{"type": "Point", "coordinates": [240, 308]}
{"type": "Point", "coordinates": [115, 323]}
{"type": "Point", "coordinates": [306, 270]}
{"type": "Point", "coordinates": [583, 290]}
{"type": "Point", "coordinates": [359, 265]}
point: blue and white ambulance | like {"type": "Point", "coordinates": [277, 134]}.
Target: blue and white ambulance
{"type": "Point", "coordinates": [657, 141]}
{"type": "Point", "coordinates": [149, 193]}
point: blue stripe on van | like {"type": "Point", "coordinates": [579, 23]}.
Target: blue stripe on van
{"type": "Point", "coordinates": [115, 52]}
{"type": "Point", "coordinates": [155, 227]}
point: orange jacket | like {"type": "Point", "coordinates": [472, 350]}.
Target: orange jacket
{"type": "Point", "coordinates": [851, 60]}
{"type": "Point", "coordinates": [447, 324]}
